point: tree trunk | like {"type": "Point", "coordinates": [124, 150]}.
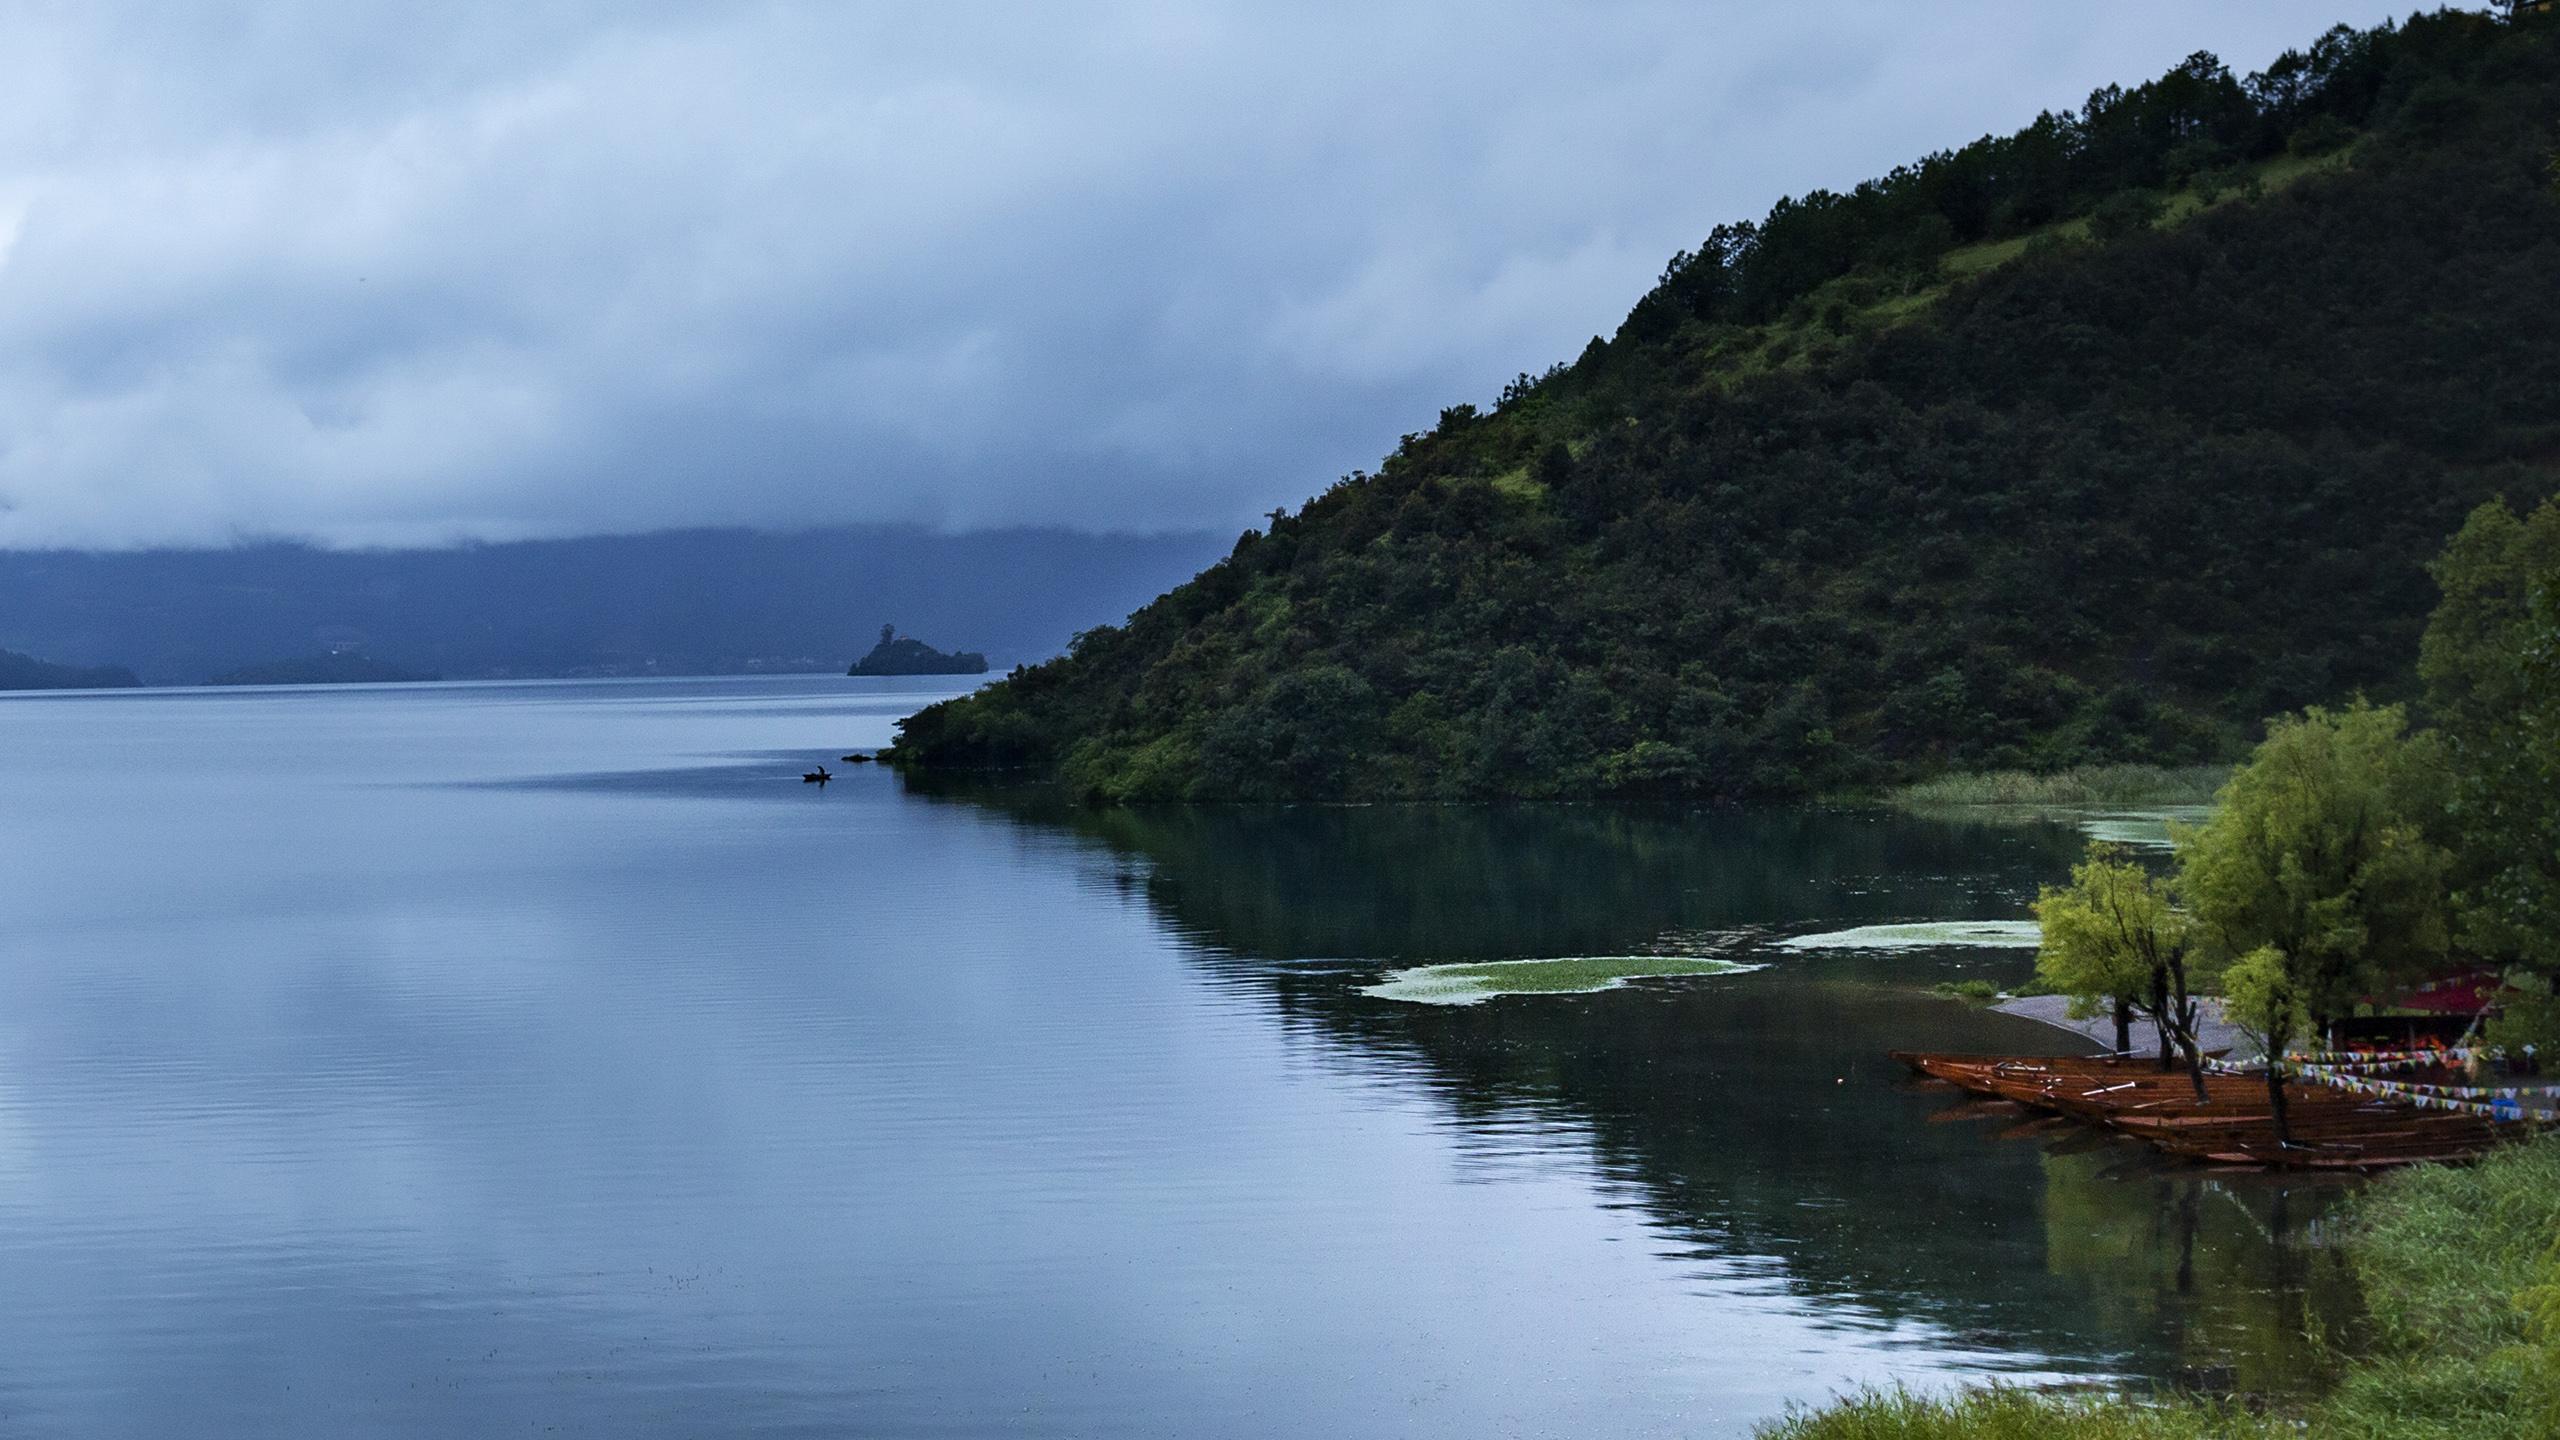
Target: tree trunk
{"type": "Point", "coordinates": [2183, 1006]}
{"type": "Point", "coordinates": [2124, 1025]}
{"type": "Point", "coordinates": [2275, 1100]}
{"type": "Point", "coordinates": [2160, 1015]}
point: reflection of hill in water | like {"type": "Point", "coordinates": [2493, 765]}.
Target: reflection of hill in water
{"type": "Point", "coordinates": [1756, 1116]}
{"type": "Point", "coordinates": [1448, 882]}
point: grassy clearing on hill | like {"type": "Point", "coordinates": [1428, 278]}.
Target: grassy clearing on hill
{"type": "Point", "coordinates": [1854, 304]}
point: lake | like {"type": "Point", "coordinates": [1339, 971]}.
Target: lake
{"type": "Point", "coordinates": [482, 1058]}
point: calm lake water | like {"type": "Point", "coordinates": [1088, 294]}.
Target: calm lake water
{"type": "Point", "coordinates": [474, 1059]}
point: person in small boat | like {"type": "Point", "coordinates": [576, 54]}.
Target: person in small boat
{"type": "Point", "coordinates": [819, 775]}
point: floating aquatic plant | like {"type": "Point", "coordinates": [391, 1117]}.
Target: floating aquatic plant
{"type": "Point", "coordinates": [1467, 984]}
{"type": "Point", "coordinates": [1931, 935]}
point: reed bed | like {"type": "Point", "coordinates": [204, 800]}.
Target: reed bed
{"type": "Point", "coordinates": [2082, 786]}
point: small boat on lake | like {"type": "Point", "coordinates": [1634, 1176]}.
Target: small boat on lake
{"type": "Point", "coordinates": [819, 776]}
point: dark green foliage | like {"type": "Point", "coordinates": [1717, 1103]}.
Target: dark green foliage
{"type": "Point", "coordinates": [2491, 662]}
{"type": "Point", "coordinates": [1818, 519]}
{"type": "Point", "coordinates": [2126, 212]}
{"type": "Point", "coordinates": [2319, 135]}
{"type": "Point", "coordinates": [25, 672]}
{"type": "Point", "coordinates": [1981, 990]}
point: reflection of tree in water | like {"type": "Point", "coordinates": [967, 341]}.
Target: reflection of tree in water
{"type": "Point", "coordinates": [2222, 1269]}
{"type": "Point", "coordinates": [1755, 1116]}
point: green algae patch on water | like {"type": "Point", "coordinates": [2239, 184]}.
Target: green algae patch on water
{"type": "Point", "coordinates": [1467, 984]}
{"type": "Point", "coordinates": [1932, 935]}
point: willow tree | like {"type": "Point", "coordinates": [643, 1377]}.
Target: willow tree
{"type": "Point", "coordinates": [2316, 879]}
{"type": "Point", "coordinates": [2115, 937]}
{"type": "Point", "coordinates": [2259, 995]}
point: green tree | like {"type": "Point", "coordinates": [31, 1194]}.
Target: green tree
{"type": "Point", "coordinates": [1300, 734]}
{"type": "Point", "coordinates": [2127, 212]}
{"type": "Point", "coordinates": [2491, 662]}
{"type": "Point", "coordinates": [2260, 996]}
{"type": "Point", "coordinates": [2114, 936]}
{"type": "Point", "coordinates": [2528, 1020]}
{"type": "Point", "coordinates": [2316, 878]}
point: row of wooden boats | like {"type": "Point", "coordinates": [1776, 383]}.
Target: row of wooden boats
{"type": "Point", "coordinates": [2234, 1124]}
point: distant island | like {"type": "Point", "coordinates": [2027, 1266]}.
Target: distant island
{"type": "Point", "coordinates": [25, 672]}
{"type": "Point", "coordinates": [346, 668]}
{"type": "Point", "coordinates": [900, 655]}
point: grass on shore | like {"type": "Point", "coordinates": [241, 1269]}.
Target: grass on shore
{"type": "Point", "coordinates": [2000, 1413]}
{"type": "Point", "coordinates": [2090, 786]}
{"type": "Point", "coordinates": [2461, 1275]}
{"type": "Point", "coordinates": [1979, 991]}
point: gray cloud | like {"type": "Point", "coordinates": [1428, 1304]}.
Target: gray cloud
{"type": "Point", "coordinates": [383, 273]}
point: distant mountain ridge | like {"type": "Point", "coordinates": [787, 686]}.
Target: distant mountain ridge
{"type": "Point", "coordinates": [25, 672]}
{"type": "Point", "coordinates": [340, 668]}
{"type": "Point", "coordinates": [2096, 441]}
{"type": "Point", "coordinates": [675, 602]}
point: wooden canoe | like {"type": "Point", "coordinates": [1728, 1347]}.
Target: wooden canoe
{"type": "Point", "coordinates": [2233, 1125]}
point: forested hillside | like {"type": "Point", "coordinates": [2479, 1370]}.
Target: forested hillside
{"type": "Point", "coordinates": [2097, 441]}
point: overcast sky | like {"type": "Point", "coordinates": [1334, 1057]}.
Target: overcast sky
{"type": "Point", "coordinates": [373, 272]}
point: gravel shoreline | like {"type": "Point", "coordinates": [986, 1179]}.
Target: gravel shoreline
{"type": "Point", "coordinates": [2214, 1032]}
